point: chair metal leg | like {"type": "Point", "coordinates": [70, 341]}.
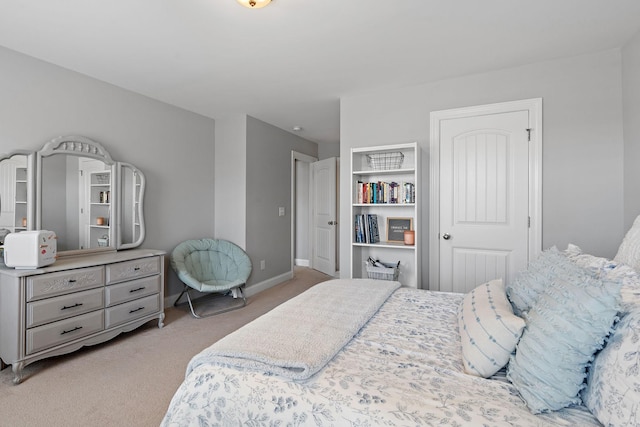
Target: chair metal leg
{"type": "Point", "coordinates": [186, 291]}
{"type": "Point", "coordinates": [237, 292]}
{"type": "Point", "coordinates": [186, 288]}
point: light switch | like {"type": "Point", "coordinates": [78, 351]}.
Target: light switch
{"type": "Point", "coordinates": [280, 211]}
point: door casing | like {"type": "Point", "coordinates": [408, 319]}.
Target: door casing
{"type": "Point", "coordinates": [534, 108]}
{"type": "Point", "coordinates": [296, 156]}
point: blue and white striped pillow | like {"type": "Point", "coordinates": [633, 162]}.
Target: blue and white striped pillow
{"type": "Point", "coordinates": [489, 331]}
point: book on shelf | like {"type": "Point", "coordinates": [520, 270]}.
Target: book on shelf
{"type": "Point", "coordinates": [380, 192]}
{"type": "Point", "coordinates": [366, 228]}
{"type": "Point", "coordinates": [357, 230]}
{"type": "Point", "coordinates": [409, 192]}
{"type": "Point", "coordinates": [374, 233]}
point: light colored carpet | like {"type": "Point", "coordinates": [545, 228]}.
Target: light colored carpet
{"type": "Point", "coordinates": [128, 381]}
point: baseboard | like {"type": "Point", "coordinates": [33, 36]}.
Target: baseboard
{"type": "Point", "coordinates": [248, 291]}
{"type": "Point", "coordinates": [266, 284]}
{"type": "Point", "coordinates": [302, 262]}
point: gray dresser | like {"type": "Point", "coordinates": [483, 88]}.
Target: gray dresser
{"type": "Point", "coordinates": [77, 301]}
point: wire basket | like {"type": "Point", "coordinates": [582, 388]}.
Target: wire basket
{"type": "Point", "coordinates": [388, 272]}
{"type": "Point", "coordinates": [384, 161]}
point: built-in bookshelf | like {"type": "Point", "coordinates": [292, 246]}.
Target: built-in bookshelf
{"type": "Point", "coordinates": [385, 202]}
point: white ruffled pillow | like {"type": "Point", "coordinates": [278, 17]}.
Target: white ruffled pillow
{"type": "Point", "coordinates": [609, 270]}
{"type": "Point", "coordinates": [489, 331]}
{"type": "Point", "coordinates": [629, 250]}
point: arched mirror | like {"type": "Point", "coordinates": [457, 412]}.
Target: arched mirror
{"type": "Point", "coordinates": [92, 202]}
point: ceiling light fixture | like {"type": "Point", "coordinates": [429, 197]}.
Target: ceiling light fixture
{"type": "Point", "coordinates": [297, 128]}
{"type": "Point", "coordinates": [254, 4]}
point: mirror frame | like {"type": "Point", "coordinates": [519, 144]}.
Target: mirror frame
{"type": "Point", "coordinates": [140, 206]}
{"type": "Point", "coordinates": [81, 146]}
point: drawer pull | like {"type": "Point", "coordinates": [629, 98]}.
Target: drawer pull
{"type": "Point", "coordinates": [137, 309]}
{"type": "Point", "coordinates": [72, 280]}
{"type": "Point", "coordinates": [71, 330]}
{"type": "Point", "coordinates": [66, 307]}
{"type": "Point", "coordinates": [137, 289]}
{"type": "Point", "coordinates": [136, 268]}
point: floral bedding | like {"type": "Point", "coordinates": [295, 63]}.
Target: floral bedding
{"type": "Point", "coordinates": [403, 368]}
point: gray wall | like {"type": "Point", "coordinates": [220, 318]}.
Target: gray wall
{"type": "Point", "coordinates": [173, 147]}
{"type": "Point", "coordinates": [631, 106]}
{"type": "Point", "coordinates": [583, 145]}
{"type": "Point", "coordinates": [55, 202]}
{"type": "Point", "coordinates": [327, 150]}
{"type": "Point", "coordinates": [231, 179]}
{"type": "Point", "coordinates": [268, 188]}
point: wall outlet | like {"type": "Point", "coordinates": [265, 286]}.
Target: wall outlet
{"type": "Point", "coordinates": [263, 264]}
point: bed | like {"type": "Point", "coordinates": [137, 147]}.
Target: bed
{"type": "Point", "coordinates": [412, 357]}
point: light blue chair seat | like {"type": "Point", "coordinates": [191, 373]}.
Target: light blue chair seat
{"type": "Point", "coordinates": [211, 266]}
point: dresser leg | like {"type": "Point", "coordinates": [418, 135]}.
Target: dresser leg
{"type": "Point", "coordinates": [17, 372]}
{"type": "Point", "coordinates": [161, 320]}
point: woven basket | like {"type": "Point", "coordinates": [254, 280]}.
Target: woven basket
{"type": "Point", "coordinates": [388, 272]}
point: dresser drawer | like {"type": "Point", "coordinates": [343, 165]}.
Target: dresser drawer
{"type": "Point", "coordinates": [52, 309]}
{"type": "Point", "coordinates": [64, 282]}
{"type": "Point", "coordinates": [121, 271]}
{"type": "Point", "coordinates": [63, 331]}
{"type": "Point", "coordinates": [127, 291]}
{"type": "Point", "coordinates": [131, 310]}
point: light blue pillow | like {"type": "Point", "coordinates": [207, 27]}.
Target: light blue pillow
{"type": "Point", "coordinates": [526, 287]}
{"type": "Point", "coordinates": [565, 327]}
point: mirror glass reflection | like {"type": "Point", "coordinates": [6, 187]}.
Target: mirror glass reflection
{"type": "Point", "coordinates": [76, 201]}
{"type": "Point", "coordinates": [13, 195]}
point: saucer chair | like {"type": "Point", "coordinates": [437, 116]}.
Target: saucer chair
{"type": "Point", "coordinates": [211, 266]}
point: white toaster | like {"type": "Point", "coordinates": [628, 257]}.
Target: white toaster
{"type": "Point", "coordinates": [30, 249]}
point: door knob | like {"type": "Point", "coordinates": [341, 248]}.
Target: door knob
{"type": "Point", "coordinates": [332, 222]}
{"type": "Point", "coordinates": [446, 236]}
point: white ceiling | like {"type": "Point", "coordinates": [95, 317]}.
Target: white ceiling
{"type": "Point", "coordinates": [288, 64]}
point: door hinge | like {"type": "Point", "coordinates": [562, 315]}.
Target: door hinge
{"type": "Point", "coordinates": [528, 134]}
{"type": "Point", "coordinates": [529, 222]}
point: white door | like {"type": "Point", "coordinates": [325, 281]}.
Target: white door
{"type": "Point", "coordinates": [484, 199]}
{"type": "Point", "coordinates": [324, 225]}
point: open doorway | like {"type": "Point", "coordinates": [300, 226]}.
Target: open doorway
{"type": "Point", "coordinates": [314, 216]}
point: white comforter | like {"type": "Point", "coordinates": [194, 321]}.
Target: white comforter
{"type": "Point", "coordinates": [402, 369]}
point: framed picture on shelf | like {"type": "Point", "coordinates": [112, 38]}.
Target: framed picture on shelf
{"type": "Point", "coordinates": [396, 228]}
